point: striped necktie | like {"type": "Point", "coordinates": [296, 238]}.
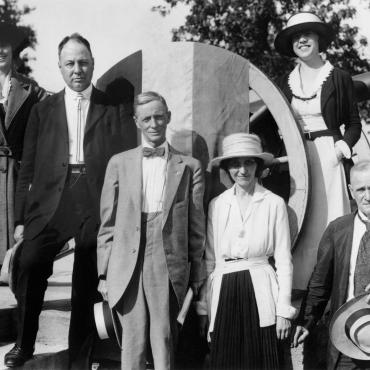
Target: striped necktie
{"type": "Point", "coordinates": [79, 147]}
{"type": "Point", "coordinates": [362, 269]}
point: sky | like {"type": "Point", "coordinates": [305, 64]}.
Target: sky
{"type": "Point", "coordinates": [115, 29]}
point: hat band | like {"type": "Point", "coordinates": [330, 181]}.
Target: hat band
{"type": "Point", "coordinates": [357, 321]}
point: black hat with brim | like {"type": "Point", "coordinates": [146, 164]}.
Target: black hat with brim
{"type": "Point", "coordinates": [16, 36]}
{"type": "Point", "coordinates": [299, 23]}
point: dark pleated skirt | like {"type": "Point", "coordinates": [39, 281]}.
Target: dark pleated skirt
{"type": "Point", "coordinates": [237, 341]}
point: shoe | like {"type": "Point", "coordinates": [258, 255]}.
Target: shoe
{"type": "Point", "coordinates": [16, 357]}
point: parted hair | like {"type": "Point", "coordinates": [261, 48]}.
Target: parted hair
{"type": "Point", "coordinates": [76, 37]}
{"type": "Point", "coordinates": [147, 97]}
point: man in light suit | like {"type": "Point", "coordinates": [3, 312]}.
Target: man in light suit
{"type": "Point", "coordinates": [341, 272]}
{"type": "Point", "coordinates": [69, 139]}
{"type": "Point", "coordinates": [152, 236]}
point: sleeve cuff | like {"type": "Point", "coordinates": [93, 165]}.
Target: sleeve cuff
{"type": "Point", "coordinates": [286, 311]}
{"type": "Point", "coordinates": [344, 148]}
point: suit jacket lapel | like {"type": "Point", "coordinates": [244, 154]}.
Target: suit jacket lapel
{"type": "Point", "coordinates": [344, 240]}
{"type": "Point", "coordinates": [134, 177]}
{"type": "Point", "coordinates": [60, 126]}
{"type": "Point", "coordinates": [175, 169]}
{"type": "Point", "coordinates": [96, 110]}
{"type": "Point", "coordinates": [326, 90]}
{"type": "Point", "coordinates": [17, 96]}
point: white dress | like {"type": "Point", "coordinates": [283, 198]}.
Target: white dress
{"type": "Point", "coordinates": [329, 197]}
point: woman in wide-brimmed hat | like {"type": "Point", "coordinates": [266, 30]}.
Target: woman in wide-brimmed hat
{"type": "Point", "coordinates": [248, 303]}
{"type": "Point", "coordinates": [322, 97]}
{"type": "Point", "coordinates": [17, 96]}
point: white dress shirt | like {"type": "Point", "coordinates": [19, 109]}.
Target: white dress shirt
{"type": "Point", "coordinates": [154, 179]}
{"type": "Point", "coordinates": [71, 102]}
{"type": "Point", "coordinates": [359, 229]}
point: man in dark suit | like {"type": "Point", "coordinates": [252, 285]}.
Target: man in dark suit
{"type": "Point", "coordinates": [152, 236]}
{"type": "Point", "coordinates": [69, 139]}
{"type": "Point", "coordinates": [342, 271]}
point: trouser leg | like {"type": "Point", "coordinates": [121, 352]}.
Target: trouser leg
{"type": "Point", "coordinates": [84, 295]}
{"type": "Point", "coordinates": [35, 265]}
{"type": "Point", "coordinates": [157, 293]}
{"type": "Point", "coordinates": [134, 321]}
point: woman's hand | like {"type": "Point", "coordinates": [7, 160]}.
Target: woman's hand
{"type": "Point", "coordinates": [339, 153]}
{"type": "Point", "coordinates": [283, 326]}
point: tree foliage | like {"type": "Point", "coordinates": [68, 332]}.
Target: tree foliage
{"type": "Point", "coordinates": [249, 27]}
{"type": "Point", "coordinates": [11, 13]}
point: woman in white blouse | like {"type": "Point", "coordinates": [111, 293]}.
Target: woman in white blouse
{"type": "Point", "coordinates": [248, 301]}
{"type": "Point", "coordinates": [322, 97]}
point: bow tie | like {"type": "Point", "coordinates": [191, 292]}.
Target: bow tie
{"type": "Point", "coordinates": [153, 152]}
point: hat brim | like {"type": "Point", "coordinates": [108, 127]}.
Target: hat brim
{"type": "Point", "coordinates": [267, 158]}
{"type": "Point", "coordinates": [337, 332]}
{"type": "Point", "coordinates": [107, 323]}
{"type": "Point", "coordinates": [283, 41]}
{"type": "Point", "coordinates": [15, 35]}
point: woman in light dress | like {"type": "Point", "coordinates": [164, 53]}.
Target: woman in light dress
{"type": "Point", "coordinates": [322, 97]}
{"type": "Point", "coordinates": [247, 301]}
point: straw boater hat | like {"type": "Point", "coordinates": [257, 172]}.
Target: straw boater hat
{"type": "Point", "coordinates": [107, 323]}
{"type": "Point", "coordinates": [16, 36]}
{"type": "Point", "coordinates": [242, 145]}
{"type": "Point", "coordinates": [302, 22]}
{"type": "Point", "coordinates": [350, 328]}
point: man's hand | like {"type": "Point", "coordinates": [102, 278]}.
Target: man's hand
{"type": "Point", "coordinates": [300, 334]}
{"type": "Point", "coordinates": [367, 289]}
{"type": "Point", "coordinates": [18, 233]}
{"type": "Point", "coordinates": [102, 289]}
{"type": "Point", "coordinates": [195, 286]}
{"type": "Point", "coordinates": [282, 327]}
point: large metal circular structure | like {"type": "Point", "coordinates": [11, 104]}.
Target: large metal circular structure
{"type": "Point", "coordinates": [211, 93]}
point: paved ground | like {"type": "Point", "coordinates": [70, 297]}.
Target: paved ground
{"type": "Point", "coordinates": [52, 339]}
{"type": "Point", "coordinates": [54, 320]}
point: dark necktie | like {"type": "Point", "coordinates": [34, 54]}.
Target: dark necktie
{"type": "Point", "coordinates": [153, 152]}
{"type": "Point", "coordinates": [362, 269]}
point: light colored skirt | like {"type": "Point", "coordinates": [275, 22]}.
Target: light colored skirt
{"type": "Point", "coordinates": [328, 201]}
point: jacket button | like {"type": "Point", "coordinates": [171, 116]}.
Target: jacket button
{"type": "Point", "coordinates": [134, 251]}
{"type": "Point", "coordinates": [64, 164]}
{"type": "Point", "coordinates": [137, 228]}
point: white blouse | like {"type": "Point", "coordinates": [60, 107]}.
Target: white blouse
{"type": "Point", "coordinates": [263, 232]}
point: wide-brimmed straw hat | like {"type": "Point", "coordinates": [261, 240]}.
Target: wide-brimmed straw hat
{"type": "Point", "coordinates": [302, 22]}
{"type": "Point", "coordinates": [242, 145]}
{"type": "Point", "coordinates": [350, 328]}
{"type": "Point", "coordinates": [16, 36]}
{"type": "Point", "coordinates": [107, 323]}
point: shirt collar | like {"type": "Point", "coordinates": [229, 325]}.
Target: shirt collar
{"type": "Point", "coordinates": [71, 94]}
{"type": "Point", "coordinates": [362, 216]}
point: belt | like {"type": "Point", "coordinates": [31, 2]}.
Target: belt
{"type": "Point", "coordinates": [312, 135]}
{"type": "Point", "coordinates": [234, 259]}
{"type": "Point", "coordinates": [77, 168]}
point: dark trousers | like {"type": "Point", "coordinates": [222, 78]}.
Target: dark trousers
{"type": "Point", "coordinates": [73, 218]}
